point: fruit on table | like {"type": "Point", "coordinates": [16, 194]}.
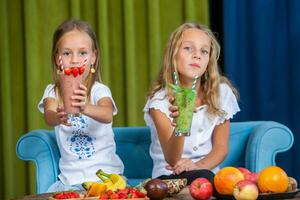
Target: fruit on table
{"type": "Point", "coordinates": [86, 185]}
{"type": "Point", "coordinates": [127, 193]}
{"type": "Point", "coordinates": [292, 185]}
{"type": "Point", "coordinates": [96, 189]}
{"type": "Point", "coordinates": [245, 190]}
{"type": "Point", "coordinates": [248, 175]}
{"type": "Point", "coordinates": [244, 170]}
{"type": "Point", "coordinates": [66, 195]}
{"type": "Point", "coordinates": [156, 189]}
{"type": "Point", "coordinates": [105, 181]}
{"type": "Point", "coordinates": [175, 185]}
{"type": "Point", "coordinates": [272, 179]}
{"type": "Point", "coordinates": [113, 181]}
{"type": "Point", "coordinates": [252, 177]}
{"type": "Point", "coordinates": [201, 189]}
{"type": "Point", "coordinates": [226, 178]}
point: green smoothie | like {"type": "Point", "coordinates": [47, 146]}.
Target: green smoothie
{"type": "Point", "coordinates": [185, 101]}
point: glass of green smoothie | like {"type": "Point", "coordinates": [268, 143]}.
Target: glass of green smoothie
{"type": "Point", "coordinates": [185, 101]}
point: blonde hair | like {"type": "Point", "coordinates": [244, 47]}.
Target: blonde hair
{"type": "Point", "coordinates": [64, 28]}
{"type": "Point", "coordinates": [210, 80]}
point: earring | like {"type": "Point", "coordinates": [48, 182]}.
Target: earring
{"type": "Point", "coordinates": [92, 69]}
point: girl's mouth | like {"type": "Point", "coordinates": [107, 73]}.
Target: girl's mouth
{"type": "Point", "coordinates": [195, 65]}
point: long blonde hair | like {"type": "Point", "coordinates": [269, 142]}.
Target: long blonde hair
{"type": "Point", "coordinates": [210, 80]}
{"type": "Point", "coordinates": [64, 28]}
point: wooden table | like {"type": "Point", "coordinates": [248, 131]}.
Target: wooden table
{"type": "Point", "coordinates": [183, 195]}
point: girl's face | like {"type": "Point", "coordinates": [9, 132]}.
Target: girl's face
{"type": "Point", "coordinates": [74, 47]}
{"type": "Point", "coordinates": [193, 54]}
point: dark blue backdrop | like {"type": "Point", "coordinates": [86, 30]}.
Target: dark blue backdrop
{"type": "Point", "coordinates": [262, 58]}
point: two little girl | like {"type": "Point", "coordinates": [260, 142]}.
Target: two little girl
{"type": "Point", "coordinates": [192, 51]}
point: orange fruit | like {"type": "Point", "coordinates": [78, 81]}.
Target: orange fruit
{"type": "Point", "coordinates": [96, 189]}
{"type": "Point", "coordinates": [273, 179]}
{"type": "Point", "coordinates": [226, 178]}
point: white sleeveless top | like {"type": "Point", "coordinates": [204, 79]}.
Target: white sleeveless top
{"type": "Point", "coordinates": [88, 147]}
{"type": "Point", "coordinates": [199, 143]}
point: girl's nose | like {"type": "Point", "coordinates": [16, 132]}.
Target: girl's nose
{"type": "Point", "coordinates": [196, 56]}
{"type": "Point", "coordinates": [75, 59]}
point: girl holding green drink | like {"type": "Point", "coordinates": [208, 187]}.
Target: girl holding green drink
{"type": "Point", "coordinates": [190, 63]}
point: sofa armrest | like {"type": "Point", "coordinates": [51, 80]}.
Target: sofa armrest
{"type": "Point", "coordinates": [265, 141]}
{"type": "Point", "coordinates": [39, 146]}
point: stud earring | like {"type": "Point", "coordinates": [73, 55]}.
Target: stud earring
{"type": "Point", "coordinates": [92, 69]}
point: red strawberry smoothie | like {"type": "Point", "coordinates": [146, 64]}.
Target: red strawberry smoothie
{"type": "Point", "coordinates": [68, 84]}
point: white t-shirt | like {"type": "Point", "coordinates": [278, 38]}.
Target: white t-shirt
{"type": "Point", "coordinates": [86, 148]}
{"type": "Point", "coordinates": [198, 144]}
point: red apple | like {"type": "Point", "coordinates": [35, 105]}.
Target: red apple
{"type": "Point", "coordinates": [252, 177]}
{"type": "Point", "coordinates": [244, 170]}
{"type": "Point", "coordinates": [201, 189]}
{"type": "Point", "coordinates": [245, 190]}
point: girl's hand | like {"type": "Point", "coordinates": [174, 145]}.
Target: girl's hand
{"type": "Point", "coordinates": [81, 96]}
{"type": "Point", "coordinates": [182, 165]}
{"type": "Point", "coordinates": [174, 110]}
{"type": "Point", "coordinates": [62, 116]}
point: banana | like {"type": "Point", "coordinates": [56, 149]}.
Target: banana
{"type": "Point", "coordinates": [104, 179]}
{"type": "Point", "coordinates": [117, 181]}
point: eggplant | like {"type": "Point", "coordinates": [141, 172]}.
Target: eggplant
{"type": "Point", "coordinates": [156, 189]}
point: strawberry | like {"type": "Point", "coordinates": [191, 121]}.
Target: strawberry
{"type": "Point", "coordinates": [114, 196]}
{"type": "Point", "coordinates": [66, 195]}
{"type": "Point", "coordinates": [75, 71]}
{"type": "Point", "coordinates": [122, 193]}
{"type": "Point", "coordinates": [109, 192]}
{"type": "Point", "coordinates": [68, 71]}
{"type": "Point", "coordinates": [74, 194]}
{"type": "Point", "coordinates": [140, 194]}
{"type": "Point", "coordinates": [104, 196]}
{"type": "Point", "coordinates": [81, 69]}
{"type": "Point", "coordinates": [58, 195]}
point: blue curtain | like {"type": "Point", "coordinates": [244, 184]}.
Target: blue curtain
{"type": "Point", "coordinates": [262, 58]}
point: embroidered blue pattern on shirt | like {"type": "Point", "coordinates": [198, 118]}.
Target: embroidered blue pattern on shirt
{"type": "Point", "coordinates": [78, 122]}
{"type": "Point", "coordinates": [81, 143]}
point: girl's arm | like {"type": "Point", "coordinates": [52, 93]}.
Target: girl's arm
{"type": "Point", "coordinates": [220, 144]}
{"type": "Point", "coordinates": [54, 114]}
{"type": "Point", "coordinates": [172, 145]}
{"type": "Point", "coordinates": [102, 112]}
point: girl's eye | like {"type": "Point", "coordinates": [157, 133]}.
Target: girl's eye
{"type": "Point", "coordinates": [187, 48]}
{"type": "Point", "coordinates": [82, 53]}
{"type": "Point", "coordinates": [204, 52]}
{"type": "Point", "coordinates": [66, 53]}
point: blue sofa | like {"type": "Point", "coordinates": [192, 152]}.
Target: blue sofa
{"type": "Point", "coordinates": [253, 145]}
